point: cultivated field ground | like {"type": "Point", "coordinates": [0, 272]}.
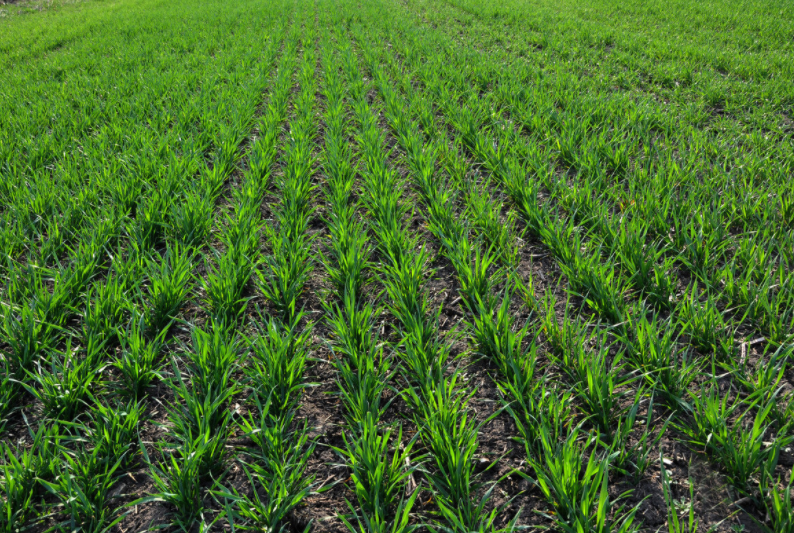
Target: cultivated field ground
{"type": "Point", "coordinates": [396, 265]}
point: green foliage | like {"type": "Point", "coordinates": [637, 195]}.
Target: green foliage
{"type": "Point", "coordinates": [114, 430]}
{"type": "Point", "coordinates": [436, 175]}
{"type": "Point", "coordinates": [277, 362]}
{"type": "Point", "coordinates": [65, 384]}
{"type": "Point", "coordinates": [740, 446]}
{"type": "Point", "coordinates": [579, 497]}
{"type": "Point", "coordinates": [177, 482]}
{"type": "Point", "coordinates": [85, 490]}
{"type": "Point", "coordinates": [170, 283]}
{"type": "Point", "coordinates": [678, 508]}
{"type": "Point", "coordinates": [139, 358]}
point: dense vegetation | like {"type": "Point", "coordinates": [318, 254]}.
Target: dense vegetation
{"type": "Point", "coordinates": [446, 265]}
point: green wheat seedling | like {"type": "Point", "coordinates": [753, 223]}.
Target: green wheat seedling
{"type": "Point", "coordinates": [113, 430]}
{"type": "Point", "coordinates": [424, 353]}
{"type": "Point", "coordinates": [128, 270]}
{"type": "Point", "coordinates": [388, 227]}
{"type": "Point", "coordinates": [497, 336]}
{"type": "Point", "coordinates": [747, 278]}
{"type": "Point", "coordinates": [107, 307]}
{"type": "Point", "coordinates": [53, 246]}
{"type": "Point", "coordinates": [83, 264]}
{"type": "Point", "coordinates": [169, 284]}
{"type": "Point", "coordinates": [362, 390]}
{"type": "Point", "coordinates": [8, 393]}
{"type": "Point", "coordinates": [739, 445]}
{"type": "Point", "coordinates": [401, 523]}
{"type": "Point", "coordinates": [279, 348]}
{"type": "Point", "coordinates": [246, 198]}
{"type": "Point", "coordinates": [148, 228]}
{"type": "Point", "coordinates": [776, 309]}
{"type": "Point", "coordinates": [478, 273]}
{"type": "Point", "coordinates": [442, 222]}
{"type": "Point", "coordinates": [139, 359]}
{"type": "Point", "coordinates": [777, 498]}
{"type": "Point", "coordinates": [242, 230]}
{"type": "Point", "coordinates": [529, 398]}
{"type": "Point", "coordinates": [676, 508]}
{"type": "Point", "coordinates": [44, 460]}
{"type": "Point", "coordinates": [54, 307]}
{"type": "Point", "coordinates": [404, 278]}
{"type": "Point", "coordinates": [487, 218]}
{"type": "Point", "coordinates": [634, 456]}
{"type": "Point", "coordinates": [764, 380]}
{"type": "Point", "coordinates": [18, 487]}
{"type": "Point", "coordinates": [200, 426]}
{"type": "Point", "coordinates": [472, 129]}
{"type": "Point", "coordinates": [11, 244]}
{"type": "Point", "coordinates": [337, 163]}
{"type": "Point", "coordinates": [224, 284]}
{"type": "Point", "coordinates": [22, 473]}
{"type": "Point", "coordinates": [71, 281]}
{"type": "Point", "coordinates": [579, 497]}
{"type": "Point", "coordinates": [639, 261]}
{"type": "Point", "coordinates": [706, 325]}
{"type": "Point", "coordinates": [212, 358]}
{"type": "Point", "coordinates": [85, 490]}
{"type": "Point", "coordinates": [197, 413]}
{"type": "Point", "coordinates": [277, 361]}
{"type": "Point", "coordinates": [177, 482]}
{"type": "Point", "coordinates": [126, 194]}
{"type": "Point", "coordinates": [702, 242]}
{"type": "Point", "coordinates": [226, 154]}
{"type": "Point", "coordinates": [208, 443]}
{"type": "Point", "coordinates": [65, 383]}
{"type": "Point", "coordinates": [28, 335]}
{"type": "Point", "coordinates": [284, 273]}
{"type": "Point", "coordinates": [567, 338]}
{"type": "Point", "coordinates": [25, 282]}
{"type": "Point", "coordinates": [601, 387]}
{"type": "Point", "coordinates": [388, 215]}
{"type": "Point", "coordinates": [273, 496]}
{"type": "Point", "coordinates": [350, 252]}
{"type": "Point", "coordinates": [363, 369]}
{"type": "Point", "coordinates": [282, 445]}
{"type": "Point", "coordinates": [490, 330]}
{"type": "Point", "coordinates": [664, 365]}
{"type": "Point", "coordinates": [377, 461]}
{"type": "Point", "coordinates": [278, 466]}
{"type": "Point", "coordinates": [597, 283]}
{"type": "Point", "coordinates": [450, 433]}
{"type": "Point", "coordinates": [192, 218]}
{"type": "Point", "coordinates": [296, 189]}
{"type": "Point", "coordinates": [263, 154]}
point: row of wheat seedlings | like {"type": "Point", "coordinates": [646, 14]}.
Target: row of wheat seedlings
{"type": "Point", "coordinates": [275, 465]}
{"type": "Point", "coordinates": [374, 451]}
